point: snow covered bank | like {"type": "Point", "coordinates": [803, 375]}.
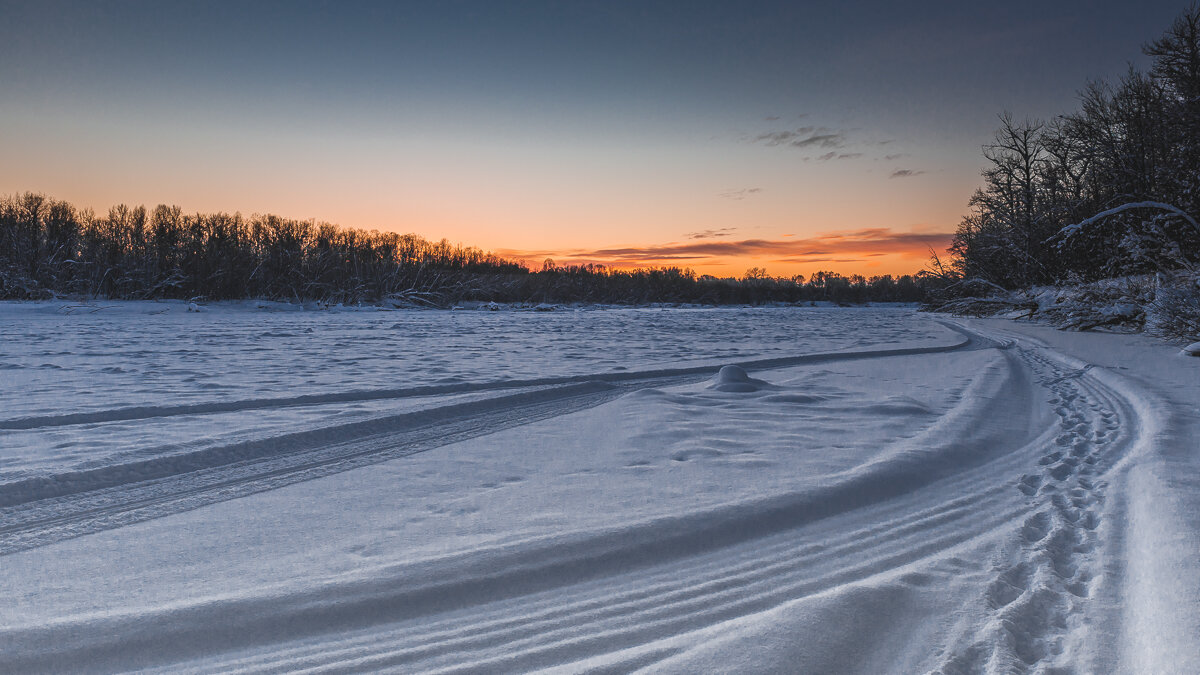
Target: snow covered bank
{"type": "Point", "coordinates": [1164, 305]}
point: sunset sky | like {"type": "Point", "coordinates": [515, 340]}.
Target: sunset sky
{"type": "Point", "coordinates": [793, 136]}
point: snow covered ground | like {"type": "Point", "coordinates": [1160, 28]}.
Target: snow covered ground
{"type": "Point", "coordinates": [873, 490]}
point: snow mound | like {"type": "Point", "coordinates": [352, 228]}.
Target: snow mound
{"type": "Point", "coordinates": [1192, 349]}
{"type": "Point", "coordinates": [734, 379]}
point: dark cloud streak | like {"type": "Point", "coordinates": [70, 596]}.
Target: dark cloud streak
{"type": "Point", "coordinates": [839, 155]}
{"type": "Point", "coordinates": [711, 234]}
{"type": "Point", "coordinates": [804, 137]}
{"type": "Point", "coordinates": [859, 242]}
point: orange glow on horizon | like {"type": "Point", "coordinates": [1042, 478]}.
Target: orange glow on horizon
{"type": "Point", "coordinates": [869, 252]}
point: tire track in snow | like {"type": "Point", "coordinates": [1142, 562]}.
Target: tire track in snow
{"type": "Point", "coordinates": [1047, 495]}
{"type": "Point", "coordinates": [47, 509]}
{"type": "Point", "coordinates": [619, 600]}
{"type": "Point", "coordinates": [544, 606]}
{"type": "Point", "coordinates": [43, 509]}
{"type": "Point", "coordinates": [151, 412]}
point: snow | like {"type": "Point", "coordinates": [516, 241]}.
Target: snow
{"type": "Point", "coordinates": [1073, 229]}
{"type": "Point", "coordinates": [735, 379]}
{"type": "Point", "coordinates": [86, 386]}
{"type": "Point", "coordinates": [660, 490]}
{"type": "Point", "coordinates": [1192, 349]}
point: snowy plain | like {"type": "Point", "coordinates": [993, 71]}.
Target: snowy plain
{"type": "Point", "coordinates": [249, 489]}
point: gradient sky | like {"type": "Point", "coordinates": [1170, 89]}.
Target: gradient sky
{"type": "Point", "coordinates": [712, 135]}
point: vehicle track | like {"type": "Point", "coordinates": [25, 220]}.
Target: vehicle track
{"type": "Point", "coordinates": [1039, 499]}
{"type": "Point", "coordinates": [40, 510]}
{"type": "Point", "coordinates": [215, 407]}
{"type": "Point", "coordinates": [128, 495]}
{"type": "Point", "coordinates": [633, 592]}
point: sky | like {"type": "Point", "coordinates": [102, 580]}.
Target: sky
{"type": "Point", "coordinates": [719, 136]}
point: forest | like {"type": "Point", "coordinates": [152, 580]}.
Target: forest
{"type": "Point", "coordinates": [1112, 189]}
{"type": "Point", "coordinates": [49, 248]}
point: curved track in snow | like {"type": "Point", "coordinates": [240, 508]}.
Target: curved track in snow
{"type": "Point", "coordinates": [1019, 468]}
{"type": "Point", "coordinates": [43, 509]}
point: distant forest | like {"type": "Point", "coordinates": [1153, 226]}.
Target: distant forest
{"type": "Point", "coordinates": [49, 248]}
{"type": "Point", "coordinates": [1112, 189]}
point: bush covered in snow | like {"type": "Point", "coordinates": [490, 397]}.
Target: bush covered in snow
{"type": "Point", "coordinates": [1164, 304]}
{"type": "Point", "coordinates": [1175, 310]}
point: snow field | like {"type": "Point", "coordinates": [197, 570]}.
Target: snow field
{"type": "Point", "coordinates": [979, 499]}
{"type": "Point", "coordinates": [84, 385]}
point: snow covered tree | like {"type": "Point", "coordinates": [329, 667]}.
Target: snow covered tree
{"type": "Point", "coordinates": [1131, 152]}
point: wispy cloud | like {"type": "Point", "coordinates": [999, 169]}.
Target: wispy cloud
{"type": "Point", "coordinates": [742, 193]}
{"type": "Point", "coordinates": [905, 173]}
{"type": "Point", "coordinates": [803, 137]}
{"type": "Point", "coordinates": [826, 143]}
{"type": "Point", "coordinates": [712, 234]}
{"type": "Point", "coordinates": [816, 260]}
{"type": "Point", "coordinates": [843, 247]}
{"type": "Point", "coordinates": [839, 155]}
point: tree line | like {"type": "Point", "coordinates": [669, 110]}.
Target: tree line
{"type": "Point", "coordinates": [49, 248]}
{"type": "Point", "coordinates": [596, 283]}
{"type": "Point", "coordinates": [1111, 189]}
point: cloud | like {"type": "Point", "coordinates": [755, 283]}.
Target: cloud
{"type": "Point", "coordinates": [839, 155]}
{"type": "Point", "coordinates": [741, 194]}
{"type": "Point", "coordinates": [804, 137]}
{"type": "Point", "coordinates": [895, 156]}
{"type": "Point", "coordinates": [711, 247]}
{"type": "Point", "coordinates": [829, 143]}
{"type": "Point", "coordinates": [816, 260]}
{"type": "Point", "coordinates": [905, 173]}
{"type": "Point", "coordinates": [710, 234]}
{"type": "Point", "coordinates": [829, 246]}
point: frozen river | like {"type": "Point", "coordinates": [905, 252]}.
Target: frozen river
{"type": "Point", "coordinates": [786, 489]}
